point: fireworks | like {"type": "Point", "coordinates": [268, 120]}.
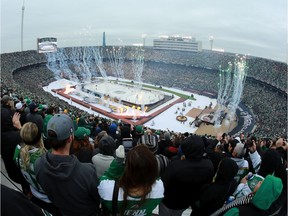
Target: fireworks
{"type": "Point", "coordinates": [230, 88]}
{"type": "Point", "coordinates": [116, 58]}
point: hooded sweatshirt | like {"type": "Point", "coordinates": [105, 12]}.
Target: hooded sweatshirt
{"type": "Point", "coordinates": [268, 192]}
{"type": "Point", "coordinates": [215, 194]}
{"type": "Point", "coordinates": [272, 164]}
{"type": "Point", "coordinates": [184, 179]}
{"type": "Point", "coordinates": [243, 170]}
{"type": "Point", "coordinates": [69, 184]}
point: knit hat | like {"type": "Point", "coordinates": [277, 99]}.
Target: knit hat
{"type": "Point", "coordinates": [5, 99]}
{"type": "Point", "coordinates": [32, 107]}
{"type": "Point", "coordinates": [193, 147]}
{"type": "Point", "coordinates": [113, 128]}
{"type": "Point", "coordinates": [62, 125]}
{"type": "Point", "coordinates": [107, 145]}
{"type": "Point", "coordinates": [81, 133]}
{"type": "Point", "coordinates": [139, 129]}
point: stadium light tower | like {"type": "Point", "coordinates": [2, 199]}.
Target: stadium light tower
{"type": "Point", "coordinates": [22, 24]}
{"type": "Point", "coordinates": [211, 38]}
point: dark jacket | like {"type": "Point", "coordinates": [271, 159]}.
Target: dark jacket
{"type": "Point", "coordinates": [16, 203]}
{"type": "Point", "coordinates": [69, 184]}
{"type": "Point", "coordinates": [163, 144]}
{"type": "Point", "coordinates": [215, 194]}
{"type": "Point", "coordinates": [6, 119]}
{"type": "Point", "coordinates": [184, 179]}
{"type": "Point", "coordinates": [10, 138]}
{"type": "Point", "coordinates": [22, 117]}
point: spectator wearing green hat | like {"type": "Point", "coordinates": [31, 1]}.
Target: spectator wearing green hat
{"type": "Point", "coordinates": [264, 194]}
{"type": "Point", "coordinates": [81, 147]}
{"type": "Point", "coordinates": [137, 133]}
{"type": "Point", "coordinates": [27, 101]}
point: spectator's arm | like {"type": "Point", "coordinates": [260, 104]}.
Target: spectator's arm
{"type": "Point", "coordinates": [16, 121]}
{"type": "Point", "coordinates": [256, 160]}
{"type": "Point", "coordinates": [242, 190]}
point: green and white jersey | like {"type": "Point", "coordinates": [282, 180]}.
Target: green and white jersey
{"type": "Point", "coordinates": [243, 169]}
{"type": "Point", "coordinates": [134, 206]}
{"type": "Point", "coordinates": [245, 189]}
{"type": "Point", "coordinates": [29, 174]}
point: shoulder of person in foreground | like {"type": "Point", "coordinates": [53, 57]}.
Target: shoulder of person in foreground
{"type": "Point", "coordinates": [16, 203]}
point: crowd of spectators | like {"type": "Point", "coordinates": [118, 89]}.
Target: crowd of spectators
{"type": "Point", "coordinates": [80, 161]}
{"type": "Point", "coordinates": [25, 73]}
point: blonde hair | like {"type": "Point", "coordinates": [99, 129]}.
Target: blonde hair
{"type": "Point", "coordinates": [31, 139]}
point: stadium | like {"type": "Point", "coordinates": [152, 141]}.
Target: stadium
{"type": "Point", "coordinates": [171, 80]}
{"type": "Point", "coordinates": [26, 73]}
{"type": "Point", "coordinates": [153, 108]}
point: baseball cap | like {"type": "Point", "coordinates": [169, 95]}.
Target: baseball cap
{"type": "Point", "coordinates": [62, 125]}
{"type": "Point", "coordinates": [18, 106]}
{"type": "Point", "coordinates": [139, 129]}
{"type": "Point", "coordinates": [33, 107]}
{"type": "Point", "coordinates": [5, 99]}
{"type": "Point", "coordinates": [81, 132]}
{"type": "Point", "coordinates": [27, 101]}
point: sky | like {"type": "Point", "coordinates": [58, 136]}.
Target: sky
{"type": "Point", "coordinates": [257, 27]}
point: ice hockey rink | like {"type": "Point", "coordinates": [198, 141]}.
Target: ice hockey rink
{"type": "Point", "coordinates": [164, 120]}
